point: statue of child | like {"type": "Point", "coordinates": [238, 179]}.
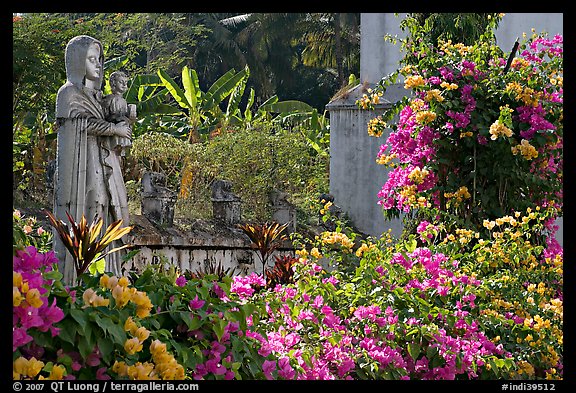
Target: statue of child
{"type": "Point", "coordinates": [116, 109]}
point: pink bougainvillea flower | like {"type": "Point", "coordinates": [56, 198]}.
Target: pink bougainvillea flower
{"type": "Point", "coordinates": [181, 281]}
{"type": "Point", "coordinates": [93, 359]}
{"type": "Point", "coordinates": [285, 370]}
{"type": "Point", "coordinates": [318, 301]}
{"type": "Point", "coordinates": [19, 338]}
{"type": "Point", "coordinates": [101, 374]}
{"type": "Point", "coordinates": [268, 367]}
{"type": "Point", "coordinates": [215, 367]}
{"type": "Point", "coordinates": [196, 303]}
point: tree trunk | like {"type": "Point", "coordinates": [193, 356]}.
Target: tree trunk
{"type": "Point", "coordinates": [338, 50]}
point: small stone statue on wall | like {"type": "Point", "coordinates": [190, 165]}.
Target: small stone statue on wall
{"type": "Point", "coordinates": [88, 178]}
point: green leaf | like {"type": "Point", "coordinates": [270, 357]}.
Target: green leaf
{"type": "Point", "coordinates": [412, 332]}
{"type": "Point", "coordinates": [222, 88]}
{"type": "Point", "coordinates": [116, 331]}
{"type": "Point", "coordinates": [140, 82]}
{"type": "Point", "coordinates": [174, 89]}
{"type": "Point", "coordinates": [287, 106]}
{"type": "Point", "coordinates": [192, 323]}
{"type": "Point", "coordinates": [191, 86]}
{"type": "Point", "coordinates": [399, 290]}
{"type": "Point", "coordinates": [80, 316]}
{"type": "Point", "coordinates": [218, 328]}
{"type": "Point", "coordinates": [247, 112]}
{"type": "Point", "coordinates": [52, 275]}
{"type": "Point", "coordinates": [106, 347]}
{"type": "Point", "coordinates": [235, 97]}
{"type": "Point", "coordinates": [411, 245]}
{"type": "Point", "coordinates": [116, 62]}
{"type": "Point", "coordinates": [68, 331]}
{"type": "Point", "coordinates": [98, 266]}
{"type": "Point", "coordinates": [85, 347]}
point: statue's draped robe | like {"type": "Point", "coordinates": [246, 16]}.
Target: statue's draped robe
{"type": "Point", "coordinates": [88, 177]}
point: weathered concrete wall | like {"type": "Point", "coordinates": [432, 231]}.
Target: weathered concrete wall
{"type": "Point", "coordinates": [355, 177]}
{"type": "Point", "coordinates": [378, 57]}
{"type": "Point", "coordinates": [513, 25]}
{"type": "Point", "coordinates": [195, 248]}
{"type": "Point", "coordinates": [240, 261]}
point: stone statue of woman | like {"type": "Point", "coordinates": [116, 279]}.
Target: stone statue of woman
{"type": "Point", "coordinates": [88, 178]}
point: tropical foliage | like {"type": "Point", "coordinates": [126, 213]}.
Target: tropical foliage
{"type": "Point", "coordinates": [473, 292]}
{"type": "Point", "coordinates": [266, 238]}
{"type": "Point", "coordinates": [84, 241]}
{"type": "Point", "coordinates": [287, 160]}
{"type": "Point", "coordinates": [148, 44]}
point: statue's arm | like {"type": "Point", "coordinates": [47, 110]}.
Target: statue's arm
{"type": "Point", "coordinates": [95, 126]}
{"type": "Point", "coordinates": [100, 127]}
{"type": "Point", "coordinates": [72, 106]}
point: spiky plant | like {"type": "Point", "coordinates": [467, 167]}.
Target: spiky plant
{"type": "Point", "coordinates": [282, 272]}
{"type": "Point", "coordinates": [82, 242]}
{"type": "Point", "coordinates": [211, 269]}
{"type": "Point", "coordinates": [266, 238]}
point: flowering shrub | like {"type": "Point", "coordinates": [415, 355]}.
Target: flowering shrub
{"type": "Point", "coordinates": [415, 312]}
{"type": "Point", "coordinates": [442, 304]}
{"type": "Point", "coordinates": [68, 336]}
{"type": "Point", "coordinates": [475, 140]}
{"type": "Point", "coordinates": [26, 231]}
{"type": "Point", "coordinates": [204, 326]}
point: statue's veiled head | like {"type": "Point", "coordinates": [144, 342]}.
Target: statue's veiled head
{"type": "Point", "coordinates": [75, 58]}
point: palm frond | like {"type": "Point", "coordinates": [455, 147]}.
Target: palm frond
{"type": "Point", "coordinates": [235, 20]}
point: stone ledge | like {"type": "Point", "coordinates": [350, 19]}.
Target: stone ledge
{"type": "Point", "coordinates": [205, 234]}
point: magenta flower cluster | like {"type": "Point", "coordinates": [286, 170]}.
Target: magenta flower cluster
{"type": "Point", "coordinates": [30, 265]}
{"type": "Point", "coordinates": [216, 361]}
{"type": "Point", "coordinates": [347, 340]}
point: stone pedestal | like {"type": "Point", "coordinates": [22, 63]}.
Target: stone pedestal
{"type": "Point", "coordinates": [283, 211]}
{"type": "Point", "coordinates": [226, 206]}
{"type": "Point", "coordinates": [157, 200]}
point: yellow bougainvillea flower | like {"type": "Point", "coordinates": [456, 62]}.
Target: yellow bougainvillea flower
{"type": "Point", "coordinates": [425, 117]}
{"type": "Point", "coordinates": [92, 299]}
{"type": "Point", "coordinates": [157, 347]}
{"type": "Point", "coordinates": [57, 373]}
{"type": "Point", "coordinates": [123, 282]}
{"type": "Point", "coordinates": [141, 371]}
{"type": "Point", "coordinates": [27, 367]}
{"type": "Point", "coordinates": [132, 345]}
{"type": "Point", "coordinates": [120, 368]}
{"type": "Point", "coordinates": [413, 81]}
{"type": "Point", "coordinates": [121, 295]}
{"type": "Point", "coordinates": [142, 334]}
{"type": "Point", "coordinates": [497, 129]}
{"type": "Point", "coordinates": [130, 326]}
{"type": "Point", "coordinates": [143, 304]}
{"type": "Point", "coordinates": [16, 279]}
{"type": "Point", "coordinates": [104, 281]}
{"type": "Point", "coordinates": [17, 297]}
{"type": "Point", "coordinates": [33, 298]}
